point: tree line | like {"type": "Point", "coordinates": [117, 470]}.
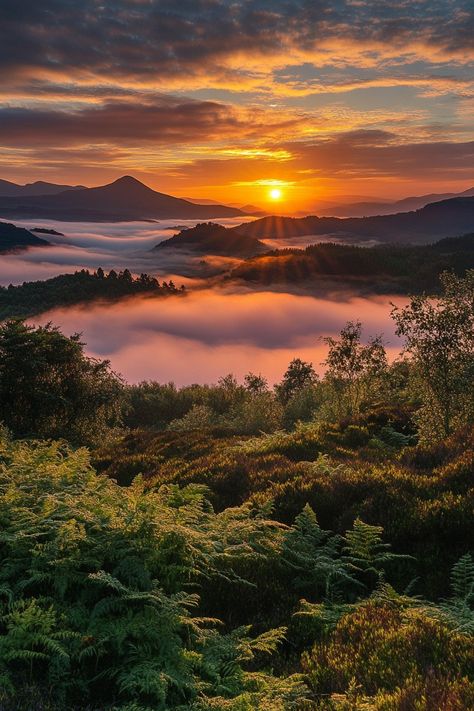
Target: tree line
{"type": "Point", "coordinates": [31, 298]}
{"type": "Point", "coordinates": [390, 268]}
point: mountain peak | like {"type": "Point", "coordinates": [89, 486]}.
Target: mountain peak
{"type": "Point", "coordinates": [128, 180]}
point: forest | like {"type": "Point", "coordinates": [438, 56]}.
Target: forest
{"type": "Point", "coordinates": [236, 546]}
{"type": "Point", "coordinates": [35, 297]}
{"type": "Point", "coordinates": [385, 269]}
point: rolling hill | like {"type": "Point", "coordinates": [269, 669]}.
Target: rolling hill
{"type": "Point", "coordinates": [381, 269]}
{"type": "Point", "coordinates": [447, 218]}
{"type": "Point", "coordinates": [371, 208]}
{"type": "Point", "coordinates": [124, 199]}
{"type": "Point", "coordinates": [8, 189]}
{"type": "Point", "coordinates": [209, 238]}
{"type": "Point", "coordinates": [13, 238]}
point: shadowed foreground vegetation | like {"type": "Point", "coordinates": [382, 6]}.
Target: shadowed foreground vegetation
{"type": "Point", "coordinates": [236, 546]}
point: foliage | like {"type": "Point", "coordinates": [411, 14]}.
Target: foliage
{"type": "Point", "coordinates": [354, 371]}
{"type": "Point", "coordinates": [180, 584]}
{"type": "Point", "coordinates": [382, 654]}
{"type": "Point", "coordinates": [298, 375]}
{"type": "Point", "coordinates": [439, 337]}
{"type": "Point", "coordinates": [382, 269]}
{"type": "Point", "coordinates": [98, 589]}
{"type": "Point", "coordinates": [49, 388]}
{"type": "Point", "coordinates": [314, 556]}
{"type": "Point", "coordinates": [35, 297]}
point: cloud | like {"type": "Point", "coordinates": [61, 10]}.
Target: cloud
{"type": "Point", "coordinates": [199, 337]}
{"type": "Point", "coordinates": [162, 38]}
{"type": "Point", "coordinates": [346, 155]}
{"type": "Point", "coordinates": [379, 153]}
{"type": "Point", "coordinates": [103, 87]}
{"type": "Point", "coordinates": [164, 121]}
{"type": "Point", "coordinates": [114, 245]}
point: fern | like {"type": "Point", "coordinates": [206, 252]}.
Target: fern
{"type": "Point", "coordinates": [365, 553]}
{"type": "Point", "coordinates": [462, 578]}
{"type": "Point", "coordinates": [458, 610]}
{"type": "Point", "coordinates": [314, 557]}
{"type": "Point", "coordinates": [99, 585]}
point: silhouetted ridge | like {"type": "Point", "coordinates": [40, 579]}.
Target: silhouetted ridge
{"type": "Point", "coordinates": [66, 290]}
{"type": "Point", "coordinates": [12, 238]}
{"type": "Point", "coordinates": [371, 208]}
{"type": "Point", "coordinates": [447, 218]}
{"type": "Point", "coordinates": [210, 238]}
{"type": "Point", "coordinates": [40, 187]}
{"type": "Point", "coordinates": [381, 269]}
{"type": "Point", "coordinates": [124, 199]}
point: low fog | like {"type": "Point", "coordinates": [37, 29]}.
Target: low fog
{"type": "Point", "coordinates": [115, 245]}
{"type": "Point", "coordinates": [206, 334]}
{"type": "Point", "coordinates": [202, 336]}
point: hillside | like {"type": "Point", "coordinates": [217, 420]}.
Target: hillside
{"type": "Point", "coordinates": [384, 269]}
{"type": "Point", "coordinates": [12, 238]}
{"type": "Point", "coordinates": [35, 297]}
{"type": "Point", "coordinates": [209, 238]}
{"type": "Point", "coordinates": [8, 189]}
{"type": "Point", "coordinates": [124, 199]}
{"type": "Point", "coordinates": [369, 208]}
{"type": "Point", "coordinates": [447, 218]}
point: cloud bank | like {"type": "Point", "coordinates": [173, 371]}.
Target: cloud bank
{"type": "Point", "coordinates": [208, 334]}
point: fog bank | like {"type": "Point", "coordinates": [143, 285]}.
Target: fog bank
{"type": "Point", "coordinates": [207, 334]}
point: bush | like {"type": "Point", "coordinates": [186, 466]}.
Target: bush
{"type": "Point", "coordinates": [392, 653]}
{"type": "Point", "coordinates": [50, 389]}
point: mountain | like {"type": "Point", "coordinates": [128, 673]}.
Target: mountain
{"type": "Point", "coordinates": [209, 238]}
{"type": "Point", "coordinates": [251, 210]}
{"type": "Point", "coordinates": [13, 238]}
{"type": "Point", "coordinates": [370, 208]}
{"type": "Point", "coordinates": [125, 199]}
{"type": "Point", "coordinates": [202, 201]}
{"type": "Point", "coordinates": [8, 189]}
{"type": "Point", "coordinates": [447, 218]}
{"type": "Point", "coordinates": [47, 231]}
{"type": "Point", "coordinates": [387, 269]}
{"type": "Point", "coordinates": [247, 209]}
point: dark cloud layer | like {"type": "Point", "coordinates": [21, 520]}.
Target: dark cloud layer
{"type": "Point", "coordinates": [350, 154]}
{"type": "Point", "coordinates": [167, 120]}
{"type": "Point", "coordinates": [159, 37]}
{"type": "Point", "coordinates": [378, 153]}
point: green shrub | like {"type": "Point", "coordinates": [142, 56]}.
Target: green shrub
{"type": "Point", "coordinates": [384, 647]}
{"type": "Point", "coordinates": [99, 589]}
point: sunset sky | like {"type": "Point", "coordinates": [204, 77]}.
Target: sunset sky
{"type": "Point", "coordinates": [231, 100]}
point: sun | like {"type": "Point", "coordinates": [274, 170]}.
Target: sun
{"type": "Point", "coordinates": [275, 194]}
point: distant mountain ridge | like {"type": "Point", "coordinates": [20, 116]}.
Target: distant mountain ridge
{"type": "Point", "coordinates": [124, 199]}
{"type": "Point", "coordinates": [247, 208]}
{"type": "Point", "coordinates": [372, 208]}
{"type": "Point", "coordinates": [8, 189]}
{"type": "Point", "coordinates": [210, 238]}
{"type": "Point", "coordinates": [448, 218]}
{"type": "Point", "coordinates": [13, 238]}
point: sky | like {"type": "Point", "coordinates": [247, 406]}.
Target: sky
{"type": "Point", "coordinates": [321, 99]}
